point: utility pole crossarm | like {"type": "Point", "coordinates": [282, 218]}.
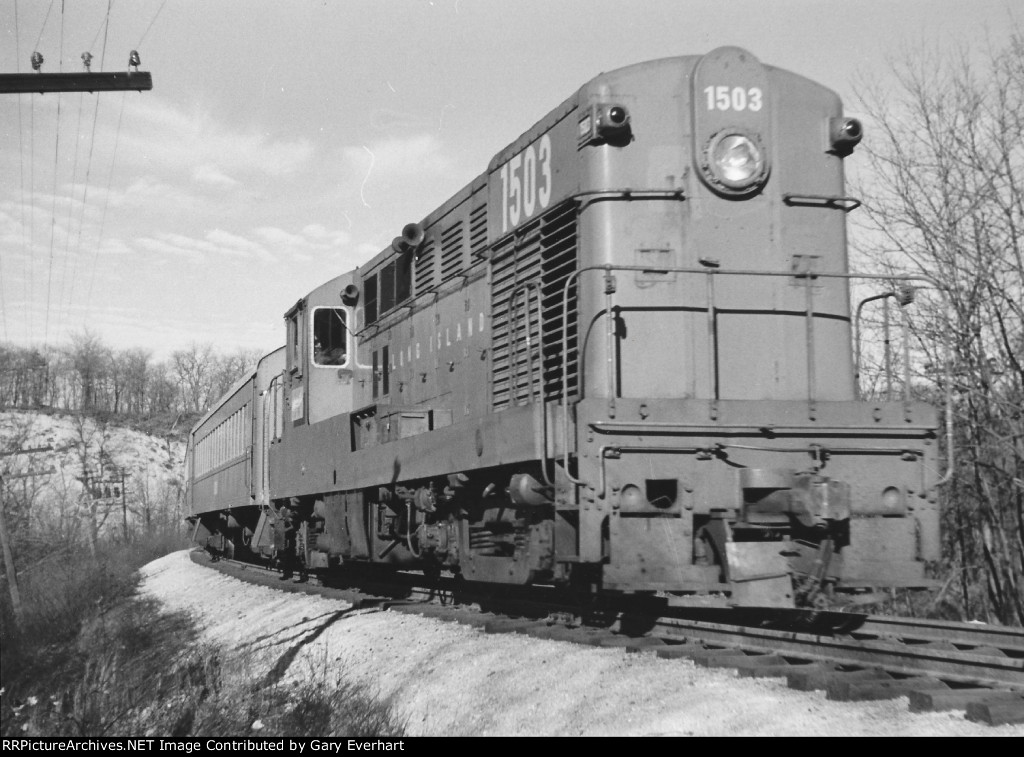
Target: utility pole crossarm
{"type": "Point", "coordinates": [27, 474]}
{"type": "Point", "coordinates": [75, 82]}
{"type": "Point", "coordinates": [47, 448]}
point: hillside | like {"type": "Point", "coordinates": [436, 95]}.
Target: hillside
{"type": "Point", "coordinates": [48, 487]}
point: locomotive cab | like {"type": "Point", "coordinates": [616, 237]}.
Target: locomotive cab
{"type": "Point", "coordinates": [321, 347]}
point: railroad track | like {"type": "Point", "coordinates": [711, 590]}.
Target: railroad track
{"type": "Point", "coordinates": [938, 665]}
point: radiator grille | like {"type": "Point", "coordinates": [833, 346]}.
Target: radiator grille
{"type": "Point", "coordinates": [558, 240]}
{"type": "Point", "coordinates": [542, 254]}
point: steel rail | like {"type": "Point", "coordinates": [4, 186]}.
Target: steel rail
{"type": "Point", "coordinates": [1009, 640]}
{"type": "Point", "coordinates": [943, 661]}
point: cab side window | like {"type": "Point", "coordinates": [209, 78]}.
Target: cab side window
{"type": "Point", "coordinates": [330, 336]}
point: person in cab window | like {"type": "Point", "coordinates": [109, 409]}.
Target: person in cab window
{"type": "Point", "coordinates": [328, 355]}
{"type": "Point", "coordinates": [334, 356]}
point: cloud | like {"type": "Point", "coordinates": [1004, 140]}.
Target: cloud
{"type": "Point", "coordinates": [148, 191]}
{"type": "Point", "coordinates": [115, 246]}
{"type": "Point", "coordinates": [401, 171]}
{"type": "Point", "coordinates": [213, 176]}
{"type": "Point", "coordinates": [163, 135]}
{"type": "Point", "coordinates": [216, 242]}
{"type": "Point", "coordinates": [398, 157]}
{"type": "Point", "coordinates": [265, 244]}
{"type": "Point", "coordinates": [317, 233]}
{"type": "Point", "coordinates": [151, 135]}
{"type": "Point", "coordinates": [171, 244]}
{"type": "Point", "coordinates": [278, 237]}
{"type": "Point", "coordinates": [312, 238]}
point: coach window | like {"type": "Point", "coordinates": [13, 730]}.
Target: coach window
{"type": "Point", "coordinates": [330, 336]}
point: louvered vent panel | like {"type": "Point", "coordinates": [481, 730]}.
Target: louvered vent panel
{"type": "Point", "coordinates": [425, 269]}
{"type": "Point", "coordinates": [478, 231]}
{"type": "Point", "coordinates": [451, 251]}
{"type": "Point", "coordinates": [542, 253]}
{"type": "Point", "coordinates": [503, 277]}
{"type": "Point", "coordinates": [558, 241]}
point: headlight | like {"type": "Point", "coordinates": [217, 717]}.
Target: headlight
{"type": "Point", "coordinates": [734, 162]}
{"type": "Point", "coordinates": [737, 160]}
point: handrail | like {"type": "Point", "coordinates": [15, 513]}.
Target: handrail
{"type": "Point", "coordinates": [809, 338]}
{"type": "Point", "coordinates": [606, 269]}
{"type": "Point", "coordinates": [513, 343]}
{"type": "Point", "coordinates": [845, 204]}
{"type": "Point", "coordinates": [618, 449]}
{"type": "Point", "coordinates": [903, 298]}
{"type": "Point", "coordinates": [269, 428]}
{"type": "Point", "coordinates": [513, 346]}
{"type": "Point", "coordinates": [788, 429]}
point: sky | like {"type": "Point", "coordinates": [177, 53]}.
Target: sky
{"type": "Point", "coordinates": [287, 141]}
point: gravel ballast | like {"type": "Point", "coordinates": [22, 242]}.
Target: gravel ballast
{"type": "Point", "coordinates": [446, 679]}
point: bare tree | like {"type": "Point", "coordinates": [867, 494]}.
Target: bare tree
{"type": "Point", "coordinates": [24, 376]}
{"type": "Point", "coordinates": [944, 194]}
{"type": "Point", "coordinates": [92, 438]}
{"type": "Point", "coordinates": [195, 372]}
{"type": "Point", "coordinates": [136, 370]}
{"type": "Point", "coordinates": [230, 368]}
{"type": "Point", "coordinates": [88, 376]}
{"type": "Point", "coordinates": [161, 390]}
{"type": "Point", "coordinates": [90, 359]}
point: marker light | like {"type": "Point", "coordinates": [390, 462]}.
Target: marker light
{"type": "Point", "coordinates": [612, 122]}
{"type": "Point", "coordinates": [605, 123]}
{"type": "Point", "coordinates": [617, 115]}
{"type": "Point", "coordinates": [631, 498]}
{"type": "Point", "coordinates": [735, 160]}
{"type": "Point", "coordinates": [844, 134]}
{"type": "Point", "coordinates": [893, 501]}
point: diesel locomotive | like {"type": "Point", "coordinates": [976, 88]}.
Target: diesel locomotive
{"type": "Point", "coordinates": [621, 360]}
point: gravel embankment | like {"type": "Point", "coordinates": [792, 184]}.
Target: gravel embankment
{"type": "Point", "coordinates": [451, 680]}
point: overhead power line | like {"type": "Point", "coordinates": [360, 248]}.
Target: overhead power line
{"type": "Point", "coordinates": [53, 204]}
{"type": "Point", "coordinates": [21, 83]}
